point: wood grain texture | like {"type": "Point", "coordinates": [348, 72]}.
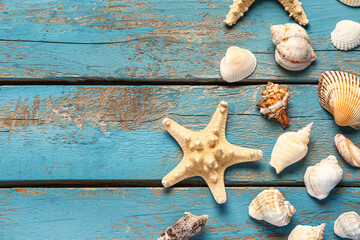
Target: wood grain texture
{"type": "Point", "coordinates": [144, 213]}
{"type": "Point", "coordinates": [159, 40]}
{"type": "Point", "coordinates": [115, 133]}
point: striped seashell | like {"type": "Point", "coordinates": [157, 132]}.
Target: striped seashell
{"type": "Point", "coordinates": [270, 206]}
{"type": "Point", "coordinates": [290, 148]}
{"type": "Point", "coordinates": [346, 35]}
{"type": "Point", "coordinates": [339, 93]}
{"type": "Point", "coordinates": [351, 3]}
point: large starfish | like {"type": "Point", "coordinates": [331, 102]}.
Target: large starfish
{"type": "Point", "coordinates": [207, 153]}
{"type": "Point", "coordinates": [239, 7]}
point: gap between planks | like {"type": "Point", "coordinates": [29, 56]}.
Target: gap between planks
{"type": "Point", "coordinates": [145, 184]}
{"type": "Point", "coordinates": [139, 82]}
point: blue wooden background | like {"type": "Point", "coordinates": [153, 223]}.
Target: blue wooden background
{"type": "Point", "coordinates": [107, 73]}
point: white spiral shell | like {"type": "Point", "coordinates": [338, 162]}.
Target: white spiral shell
{"type": "Point", "coordinates": [301, 232]}
{"type": "Point", "coordinates": [323, 177]}
{"type": "Point", "coordinates": [348, 226]}
{"type": "Point", "coordinates": [270, 206]}
{"type": "Point", "coordinates": [293, 50]}
{"type": "Point", "coordinates": [289, 148]}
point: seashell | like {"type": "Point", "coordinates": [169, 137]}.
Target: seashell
{"type": "Point", "coordinates": [270, 206]}
{"type": "Point", "coordinates": [301, 232]}
{"type": "Point", "coordinates": [346, 35]}
{"type": "Point", "coordinates": [339, 93]}
{"type": "Point", "coordinates": [351, 3]}
{"type": "Point", "coordinates": [348, 150]}
{"type": "Point", "coordinates": [293, 50]}
{"type": "Point", "coordinates": [323, 177]}
{"type": "Point", "coordinates": [290, 148]}
{"type": "Point", "coordinates": [348, 226]}
{"type": "Point", "coordinates": [237, 64]}
{"type": "Point", "coordinates": [275, 103]}
{"type": "Point", "coordinates": [185, 228]}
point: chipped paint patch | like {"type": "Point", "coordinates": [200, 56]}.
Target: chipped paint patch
{"type": "Point", "coordinates": [31, 192]}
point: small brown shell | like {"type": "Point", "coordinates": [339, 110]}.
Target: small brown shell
{"type": "Point", "coordinates": [185, 228]}
{"type": "Point", "coordinates": [275, 103]}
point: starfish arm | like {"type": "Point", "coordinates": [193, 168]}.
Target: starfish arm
{"type": "Point", "coordinates": [217, 186]}
{"type": "Point", "coordinates": [296, 11]}
{"type": "Point", "coordinates": [182, 171]}
{"type": "Point", "coordinates": [181, 134]}
{"type": "Point", "coordinates": [237, 154]}
{"type": "Point", "coordinates": [237, 10]}
{"type": "Point", "coordinates": [217, 124]}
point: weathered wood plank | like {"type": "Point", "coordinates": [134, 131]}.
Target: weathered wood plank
{"type": "Point", "coordinates": [143, 213]}
{"type": "Point", "coordinates": [157, 40]}
{"type": "Point", "coordinates": [100, 133]}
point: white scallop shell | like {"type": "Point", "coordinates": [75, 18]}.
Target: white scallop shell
{"type": "Point", "coordinates": [237, 64]}
{"type": "Point", "coordinates": [351, 3]}
{"type": "Point", "coordinates": [270, 206]}
{"type": "Point", "coordinates": [323, 177]}
{"type": "Point", "coordinates": [290, 148]}
{"type": "Point", "coordinates": [293, 50]}
{"type": "Point", "coordinates": [301, 232]}
{"type": "Point", "coordinates": [339, 93]}
{"type": "Point", "coordinates": [348, 150]}
{"type": "Point", "coordinates": [348, 226]}
{"type": "Point", "coordinates": [346, 35]}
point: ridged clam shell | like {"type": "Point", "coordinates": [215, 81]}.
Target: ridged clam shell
{"type": "Point", "coordinates": [237, 64]}
{"type": "Point", "coordinates": [346, 35]}
{"type": "Point", "coordinates": [339, 93]}
{"type": "Point", "coordinates": [323, 177]}
{"type": "Point", "coordinates": [270, 206]}
{"type": "Point", "coordinates": [302, 232]}
{"type": "Point", "coordinates": [348, 150]}
{"type": "Point", "coordinates": [289, 148]}
{"type": "Point", "coordinates": [351, 3]}
{"type": "Point", "coordinates": [293, 50]}
{"type": "Point", "coordinates": [348, 226]}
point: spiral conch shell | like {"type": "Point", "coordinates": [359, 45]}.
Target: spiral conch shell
{"type": "Point", "coordinates": [348, 150]}
{"type": "Point", "coordinates": [275, 103]}
{"type": "Point", "coordinates": [290, 147]}
{"type": "Point", "coordinates": [323, 177]}
{"type": "Point", "coordinates": [302, 232]}
{"type": "Point", "coordinates": [346, 35]}
{"type": "Point", "coordinates": [348, 226]}
{"type": "Point", "coordinates": [339, 93]}
{"type": "Point", "coordinates": [270, 206]}
{"type": "Point", "coordinates": [293, 50]}
{"type": "Point", "coordinates": [237, 64]}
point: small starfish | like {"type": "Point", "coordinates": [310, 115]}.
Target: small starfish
{"type": "Point", "coordinates": [207, 153]}
{"type": "Point", "coordinates": [239, 7]}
